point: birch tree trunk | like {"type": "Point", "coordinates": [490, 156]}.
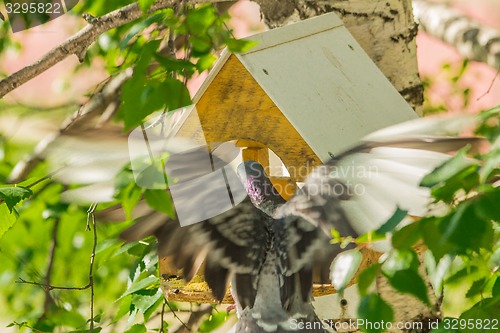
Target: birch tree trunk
{"type": "Point", "coordinates": [470, 38]}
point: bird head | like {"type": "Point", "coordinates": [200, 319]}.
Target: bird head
{"type": "Point", "coordinates": [258, 185]}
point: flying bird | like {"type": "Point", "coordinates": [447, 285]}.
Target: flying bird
{"type": "Point", "coordinates": [271, 250]}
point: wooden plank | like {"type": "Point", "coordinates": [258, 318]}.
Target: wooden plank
{"type": "Point", "coordinates": [177, 290]}
{"type": "Point", "coordinates": [235, 107]}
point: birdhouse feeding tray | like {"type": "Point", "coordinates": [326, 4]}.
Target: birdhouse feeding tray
{"type": "Point", "coordinates": [305, 91]}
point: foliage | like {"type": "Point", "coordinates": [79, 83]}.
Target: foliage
{"type": "Point", "coordinates": [462, 245]}
{"type": "Point", "coordinates": [48, 242]}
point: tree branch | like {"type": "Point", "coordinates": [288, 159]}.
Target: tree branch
{"type": "Point", "coordinates": [79, 42]}
{"type": "Point", "coordinates": [470, 38]}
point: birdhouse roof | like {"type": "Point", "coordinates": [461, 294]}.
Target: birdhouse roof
{"type": "Point", "coordinates": [319, 78]}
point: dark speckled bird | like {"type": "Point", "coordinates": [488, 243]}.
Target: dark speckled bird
{"type": "Point", "coordinates": [272, 250]}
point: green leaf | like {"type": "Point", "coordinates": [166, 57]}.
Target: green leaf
{"type": "Point", "coordinates": [129, 197]}
{"type": "Point", "coordinates": [367, 277]}
{"type": "Point", "coordinates": [201, 19]}
{"type": "Point", "coordinates": [137, 328]}
{"type": "Point", "coordinates": [370, 237]}
{"type": "Point", "coordinates": [145, 283]}
{"type": "Point", "coordinates": [343, 268]}
{"type": "Point", "coordinates": [489, 123]}
{"type": "Point", "coordinates": [240, 45]}
{"type": "Point", "coordinates": [476, 288]}
{"type": "Point", "coordinates": [407, 236]}
{"type": "Point", "coordinates": [12, 195]}
{"type": "Point", "coordinates": [448, 169]}
{"type": "Point", "coordinates": [138, 27]}
{"type": "Point", "coordinates": [95, 330]}
{"type": "Point", "coordinates": [152, 309]}
{"type": "Point", "coordinates": [215, 320]}
{"type": "Point", "coordinates": [176, 65]}
{"type": "Point", "coordinates": [201, 45]}
{"type": "Point", "coordinates": [160, 201]}
{"type": "Point", "coordinates": [398, 260]}
{"type": "Point", "coordinates": [205, 62]}
{"type": "Point", "coordinates": [7, 219]}
{"type": "Point", "coordinates": [483, 311]}
{"type": "Point", "coordinates": [144, 5]}
{"type": "Point", "coordinates": [124, 308]}
{"type": "Point", "coordinates": [410, 282]}
{"type": "Point", "coordinates": [465, 229]}
{"type": "Point", "coordinates": [486, 204]}
{"type": "Point", "coordinates": [141, 95]}
{"type": "Point", "coordinates": [393, 221]}
{"type": "Point", "coordinates": [144, 299]}
{"type": "Point", "coordinates": [491, 164]}
{"type": "Point", "coordinates": [462, 274]}
{"type": "Point", "coordinates": [432, 234]}
{"type": "Point", "coordinates": [464, 180]}
{"type": "Point", "coordinates": [495, 291]}
{"type": "Point", "coordinates": [373, 309]}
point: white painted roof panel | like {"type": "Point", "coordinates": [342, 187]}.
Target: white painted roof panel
{"type": "Point", "coordinates": [324, 83]}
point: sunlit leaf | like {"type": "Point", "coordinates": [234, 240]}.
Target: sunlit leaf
{"type": "Point", "coordinates": [144, 5]}
{"type": "Point", "coordinates": [344, 267]}
{"type": "Point", "coordinates": [240, 45]}
{"type": "Point", "coordinates": [12, 195]}
{"type": "Point", "coordinates": [437, 272]}
{"type": "Point", "coordinates": [205, 62]}
{"type": "Point", "coordinates": [398, 260]}
{"type": "Point", "coordinates": [215, 320]}
{"type": "Point", "coordinates": [147, 282]}
{"type": "Point", "coordinates": [137, 328]}
{"type": "Point", "coordinates": [144, 299]}
{"type": "Point", "coordinates": [7, 219]}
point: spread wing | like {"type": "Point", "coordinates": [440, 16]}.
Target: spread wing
{"type": "Point", "coordinates": [233, 242]}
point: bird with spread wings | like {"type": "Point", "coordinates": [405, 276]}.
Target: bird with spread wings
{"type": "Point", "coordinates": [271, 250]}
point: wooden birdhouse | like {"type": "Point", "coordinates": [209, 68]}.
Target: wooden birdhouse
{"type": "Point", "coordinates": [305, 91]}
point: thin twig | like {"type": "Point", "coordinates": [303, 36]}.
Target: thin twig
{"type": "Point", "coordinates": [177, 317]}
{"type": "Point", "coordinates": [91, 218]}
{"type": "Point", "coordinates": [491, 85]}
{"type": "Point", "coordinates": [47, 286]}
{"type": "Point", "coordinates": [195, 317]}
{"type": "Point", "coordinates": [162, 316]}
{"type": "Point", "coordinates": [51, 287]}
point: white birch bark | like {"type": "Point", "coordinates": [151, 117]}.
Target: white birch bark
{"type": "Point", "coordinates": [470, 38]}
